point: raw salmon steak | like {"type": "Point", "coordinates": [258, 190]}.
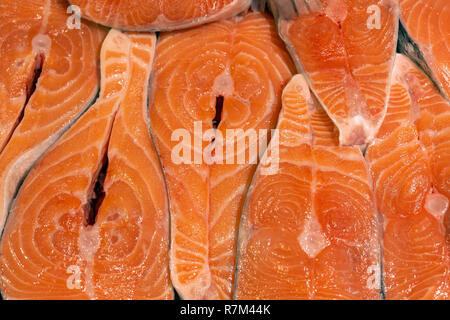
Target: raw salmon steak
{"type": "Point", "coordinates": [431, 114]}
{"type": "Point", "coordinates": [310, 229]}
{"type": "Point", "coordinates": [416, 260]}
{"type": "Point", "coordinates": [425, 37]}
{"type": "Point", "coordinates": [346, 50]}
{"type": "Point", "coordinates": [91, 219]}
{"type": "Point", "coordinates": [223, 76]}
{"type": "Point", "coordinates": [158, 15]}
{"type": "Point", "coordinates": [48, 77]}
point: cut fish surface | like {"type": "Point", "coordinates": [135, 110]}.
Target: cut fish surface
{"type": "Point", "coordinates": [425, 37]}
{"type": "Point", "coordinates": [91, 219]}
{"type": "Point", "coordinates": [225, 75]}
{"type": "Point", "coordinates": [48, 77]}
{"type": "Point", "coordinates": [158, 15]}
{"type": "Point", "coordinates": [416, 260]}
{"type": "Point", "coordinates": [310, 231]}
{"type": "Point", "coordinates": [346, 50]}
{"type": "Point", "coordinates": [431, 113]}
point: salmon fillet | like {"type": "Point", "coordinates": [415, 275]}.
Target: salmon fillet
{"type": "Point", "coordinates": [158, 15]}
{"type": "Point", "coordinates": [91, 219]}
{"type": "Point", "coordinates": [416, 260]}
{"type": "Point", "coordinates": [425, 37]}
{"type": "Point", "coordinates": [310, 231]}
{"type": "Point", "coordinates": [346, 50]}
{"type": "Point", "coordinates": [218, 77]}
{"type": "Point", "coordinates": [48, 77]}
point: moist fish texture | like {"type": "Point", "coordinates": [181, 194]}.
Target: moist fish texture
{"type": "Point", "coordinates": [158, 15]}
{"type": "Point", "coordinates": [431, 115]}
{"type": "Point", "coordinates": [309, 230]}
{"type": "Point", "coordinates": [48, 77]}
{"type": "Point", "coordinates": [346, 50]}
{"type": "Point", "coordinates": [91, 219]}
{"type": "Point", "coordinates": [425, 38]}
{"type": "Point", "coordinates": [416, 260]}
{"type": "Point", "coordinates": [225, 75]}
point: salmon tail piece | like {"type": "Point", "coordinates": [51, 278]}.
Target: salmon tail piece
{"type": "Point", "coordinates": [346, 51]}
{"type": "Point", "coordinates": [409, 48]}
{"type": "Point", "coordinates": [91, 219]}
{"type": "Point", "coordinates": [282, 9]}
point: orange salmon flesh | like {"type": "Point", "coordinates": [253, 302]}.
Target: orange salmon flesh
{"type": "Point", "coordinates": [225, 150]}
